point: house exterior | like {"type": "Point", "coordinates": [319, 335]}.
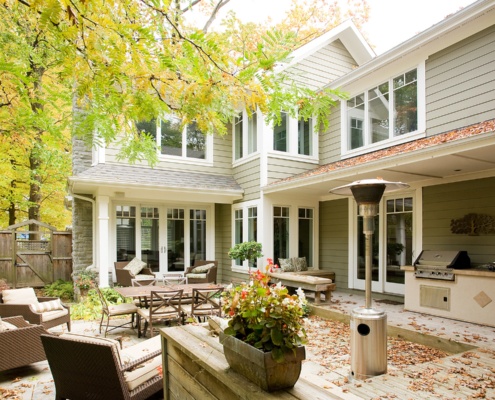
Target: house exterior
{"type": "Point", "coordinates": [422, 113]}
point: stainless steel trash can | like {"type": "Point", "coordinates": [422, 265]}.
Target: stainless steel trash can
{"type": "Point", "coordinates": [368, 343]}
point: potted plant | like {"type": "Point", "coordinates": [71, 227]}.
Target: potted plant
{"type": "Point", "coordinates": [264, 337]}
{"type": "Point", "coordinates": [246, 251]}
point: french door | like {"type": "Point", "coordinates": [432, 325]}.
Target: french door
{"type": "Point", "coordinates": [392, 245]}
{"type": "Point", "coordinates": [167, 238]}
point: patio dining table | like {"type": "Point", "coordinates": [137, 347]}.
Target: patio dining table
{"type": "Point", "coordinates": [145, 291]}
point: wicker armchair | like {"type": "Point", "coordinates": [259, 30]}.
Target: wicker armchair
{"type": "Point", "coordinates": [46, 319]}
{"type": "Point", "coordinates": [125, 277]}
{"type": "Point", "coordinates": [85, 367]}
{"type": "Point", "coordinates": [209, 276]}
{"type": "Point", "coordinates": [21, 346]}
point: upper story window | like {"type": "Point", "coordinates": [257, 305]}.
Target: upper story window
{"type": "Point", "coordinates": [294, 135]}
{"type": "Point", "coordinates": [173, 140]}
{"type": "Point", "coordinates": [383, 112]}
{"type": "Point", "coordinates": [245, 135]}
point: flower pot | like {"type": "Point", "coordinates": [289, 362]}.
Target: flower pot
{"type": "Point", "coordinates": [259, 367]}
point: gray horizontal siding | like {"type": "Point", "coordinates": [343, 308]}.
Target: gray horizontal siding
{"type": "Point", "coordinates": [247, 176]}
{"type": "Point", "coordinates": [334, 252]}
{"type": "Point", "coordinates": [330, 141]}
{"type": "Point", "coordinates": [222, 159]}
{"type": "Point", "coordinates": [460, 82]}
{"type": "Point", "coordinates": [281, 168]}
{"type": "Point", "coordinates": [443, 203]}
{"type": "Point", "coordinates": [322, 67]}
{"type": "Point", "coordinates": [223, 240]}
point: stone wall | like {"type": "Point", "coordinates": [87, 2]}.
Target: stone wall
{"type": "Point", "coordinates": [82, 211]}
{"type": "Point", "coordinates": [82, 234]}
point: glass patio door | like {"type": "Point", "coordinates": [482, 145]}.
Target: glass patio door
{"type": "Point", "coordinates": [392, 246]}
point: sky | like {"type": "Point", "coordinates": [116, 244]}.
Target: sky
{"type": "Point", "coordinates": [390, 23]}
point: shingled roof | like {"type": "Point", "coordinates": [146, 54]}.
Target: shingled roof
{"type": "Point", "coordinates": [119, 174]}
{"type": "Point", "coordinates": [409, 147]}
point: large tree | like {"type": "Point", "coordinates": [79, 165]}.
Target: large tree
{"type": "Point", "coordinates": [121, 61]}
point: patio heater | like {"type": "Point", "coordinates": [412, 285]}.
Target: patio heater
{"type": "Point", "coordinates": [368, 325]}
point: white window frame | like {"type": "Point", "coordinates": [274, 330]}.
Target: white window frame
{"type": "Point", "coordinates": [183, 158]}
{"type": "Point", "coordinates": [247, 125]}
{"type": "Point", "coordinates": [367, 145]}
{"type": "Point", "coordinates": [293, 141]}
{"type": "Point", "coordinates": [244, 268]}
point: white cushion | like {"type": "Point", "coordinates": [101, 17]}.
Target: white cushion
{"type": "Point", "coordinates": [19, 296]}
{"type": "Point", "coordinates": [6, 326]}
{"type": "Point", "coordinates": [51, 315]}
{"type": "Point", "coordinates": [143, 372]}
{"type": "Point", "coordinates": [189, 276]}
{"type": "Point", "coordinates": [141, 349]}
{"type": "Point", "coordinates": [202, 268]}
{"type": "Point", "coordinates": [51, 305]}
{"type": "Point", "coordinates": [142, 277]}
{"type": "Point", "coordinates": [95, 340]}
{"type": "Point", "coordinates": [135, 266]}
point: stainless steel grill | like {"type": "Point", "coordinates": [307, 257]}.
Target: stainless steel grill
{"type": "Point", "coordinates": [434, 264]}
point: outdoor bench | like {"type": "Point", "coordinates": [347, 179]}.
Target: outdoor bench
{"type": "Point", "coordinates": [305, 281]}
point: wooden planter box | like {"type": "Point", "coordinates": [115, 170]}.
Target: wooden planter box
{"type": "Point", "coordinates": [194, 367]}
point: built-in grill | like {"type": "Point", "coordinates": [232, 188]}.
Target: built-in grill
{"type": "Point", "coordinates": [434, 264]}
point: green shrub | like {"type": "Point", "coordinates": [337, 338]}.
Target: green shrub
{"type": "Point", "coordinates": [60, 288]}
{"type": "Point", "coordinates": [90, 307]}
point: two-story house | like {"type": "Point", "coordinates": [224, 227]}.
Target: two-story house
{"type": "Point", "coordinates": [422, 113]}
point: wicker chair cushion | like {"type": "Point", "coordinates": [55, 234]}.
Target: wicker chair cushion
{"type": "Point", "coordinates": [145, 371]}
{"type": "Point", "coordinates": [7, 326]}
{"type": "Point", "coordinates": [51, 315]}
{"type": "Point", "coordinates": [202, 268]}
{"type": "Point", "coordinates": [44, 306]}
{"type": "Point", "coordinates": [203, 276]}
{"type": "Point", "coordinates": [143, 277]}
{"type": "Point", "coordinates": [135, 266]}
{"type": "Point", "coordinates": [95, 340]}
{"type": "Point", "coordinates": [19, 296]}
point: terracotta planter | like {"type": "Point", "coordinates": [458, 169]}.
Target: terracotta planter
{"type": "Point", "coordinates": [259, 367]}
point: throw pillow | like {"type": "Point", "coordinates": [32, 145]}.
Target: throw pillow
{"type": "Point", "coordinates": [135, 266]}
{"type": "Point", "coordinates": [202, 269]}
{"type": "Point", "coordinates": [286, 265]}
{"type": "Point", "coordinates": [6, 326]}
{"type": "Point", "coordinates": [300, 263]}
{"type": "Point", "coordinates": [51, 305]}
{"type": "Point", "coordinates": [19, 296]}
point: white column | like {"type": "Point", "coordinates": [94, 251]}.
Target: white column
{"type": "Point", "coordinates": [102, 238]}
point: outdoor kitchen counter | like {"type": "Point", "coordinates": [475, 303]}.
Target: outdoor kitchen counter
{"type": "Point", "coordinates": [469, 297]}
{"type": "Point", "coordinates": [467, 271]}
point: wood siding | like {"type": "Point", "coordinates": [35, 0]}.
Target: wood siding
{"type": "Point", "coordinates": [223, 240]}
{"type": "Point", "coordinates": [248, 176]}
{"type": "Point", "coordinates": [330, 140]}
{"type": "Point", "coordinates": [322, 67]}
{"type": "Point", "coordinates": [443, 203]}
{"type": "Point", "coordinates": [460, 82]}
{"type": "Point", "coordinates": [334, 227]}
{"type": "Point", "coordinates": [280, 168]}
{"type": "Point", "coordinates": [222, 159]}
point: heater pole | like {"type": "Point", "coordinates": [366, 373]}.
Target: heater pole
{"type": "Point", "coordinates": [368, 271]}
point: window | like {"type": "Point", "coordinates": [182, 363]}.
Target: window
{"type": "Point", "coordinates": [253, 228]}
{"type": "Point", "coordinates": [399, 237]}
{"type": "Point", "coordinates": [173, 140]}
{"type": "Point", "coordinates": [150, 237]}
{"type": "Point", "coordinates": [306, 234]}
{"type": "Point", "coordinates": [304, 133]}
{"type": "Point", "coordinates": [197, 232]}
{"type": "Point", "coordinates": [126, 232]}
{"type": "Point", "coordinates": [383, 112]}
{"type": "Point", "coordinates": [238, 230]}
{"type": "Point", "coordinates": [280, 133]}
{"type": "Point", "coordinates": [280, 233]}
{"type": "Point", "coordinates": [245, 135]}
